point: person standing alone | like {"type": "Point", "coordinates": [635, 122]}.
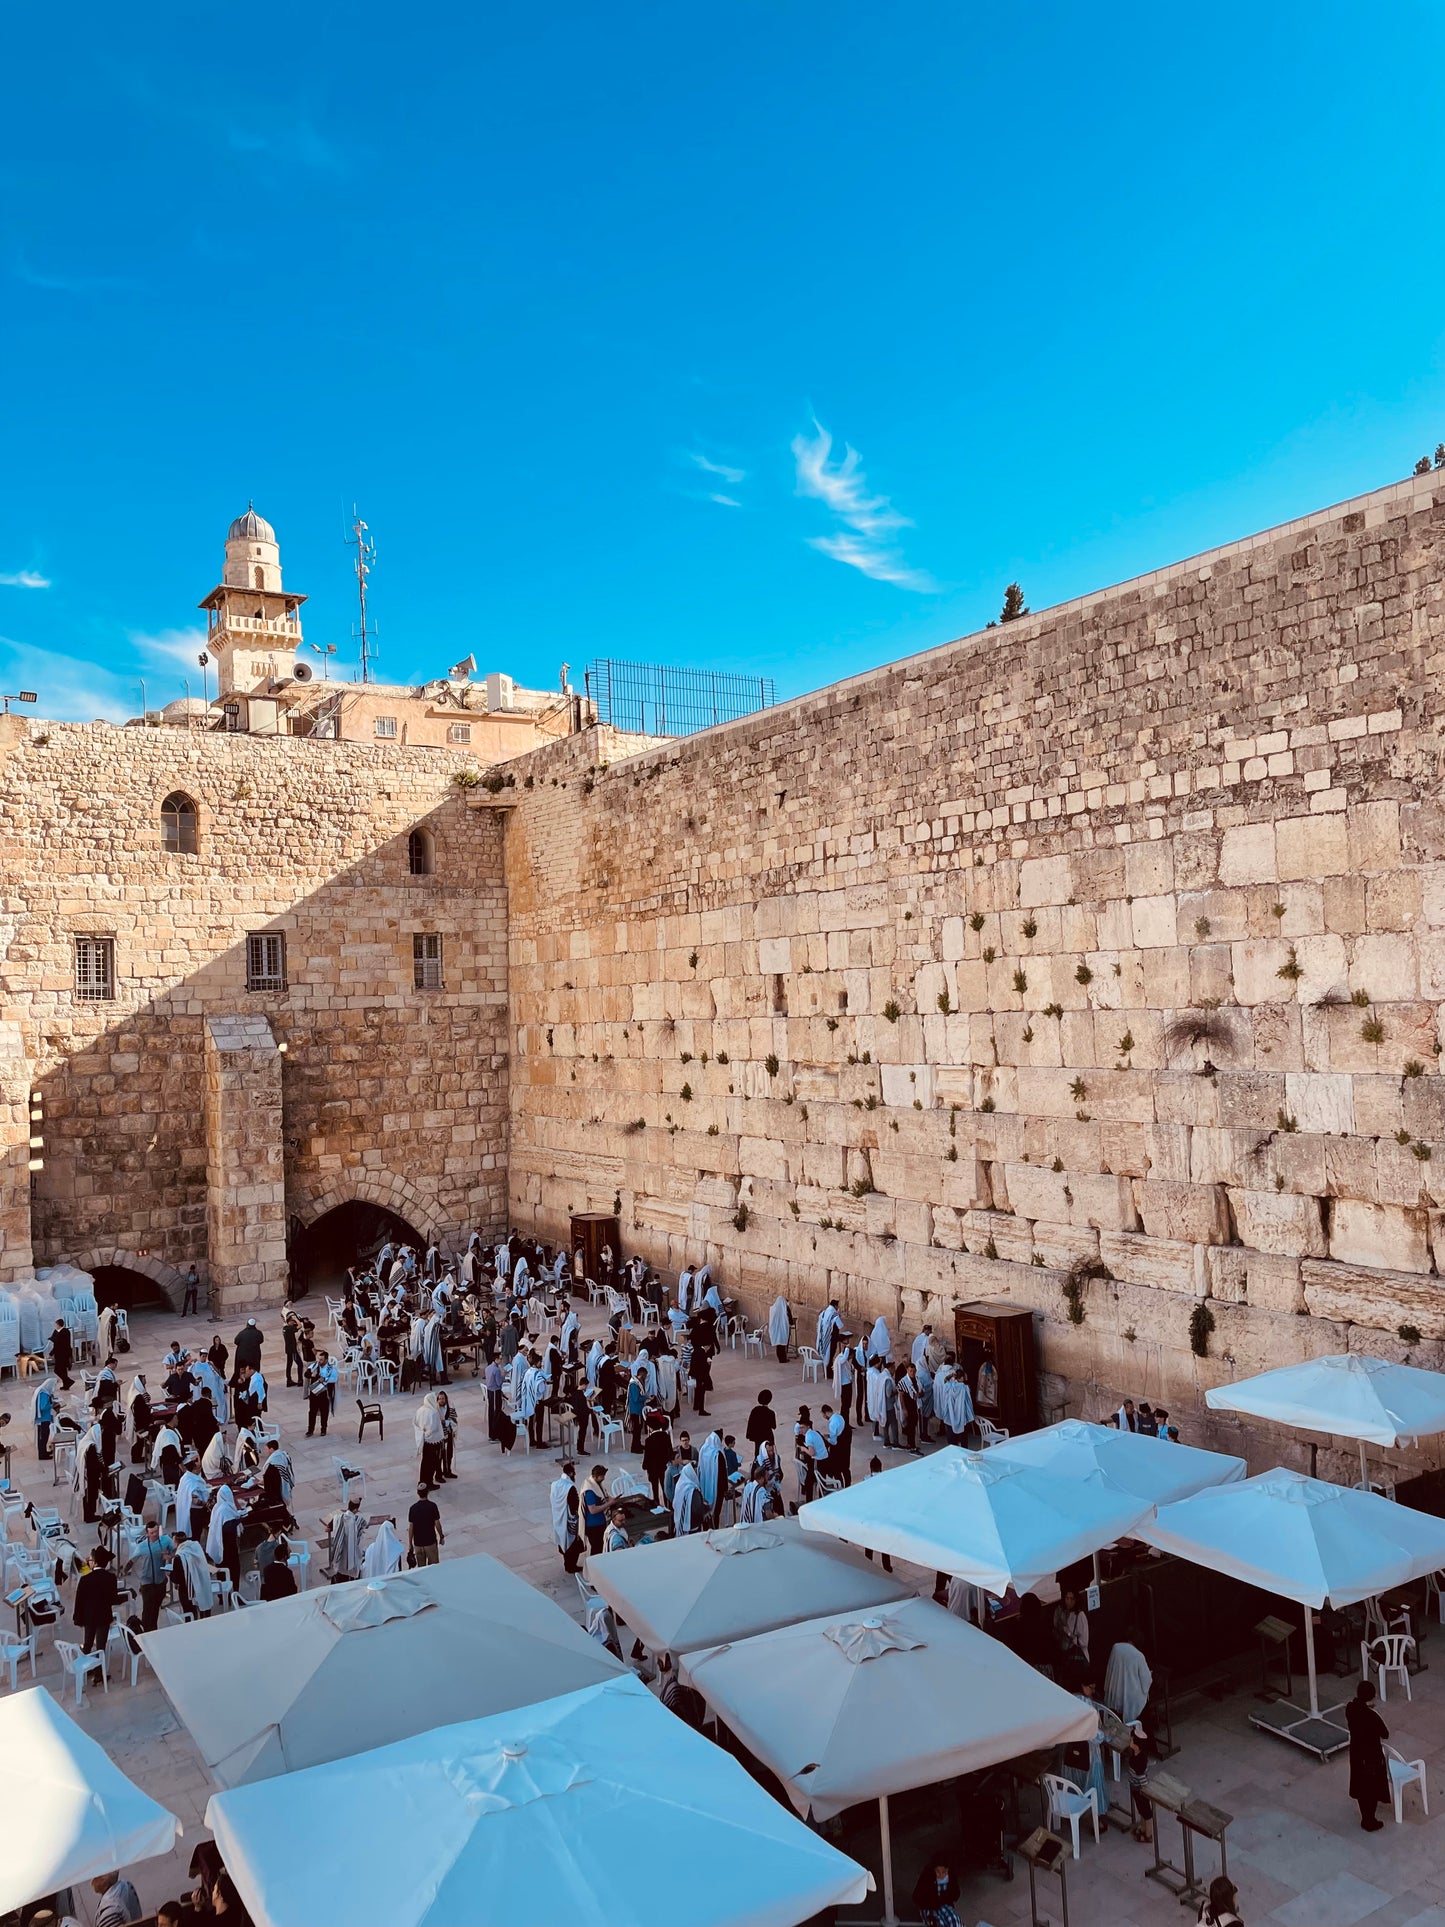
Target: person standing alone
{"type": "Point", "coordinates": [1369, 1771]}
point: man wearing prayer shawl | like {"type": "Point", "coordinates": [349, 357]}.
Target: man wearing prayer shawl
{"type": "Point", "coordinates": [830, 1323]}
{"type": "Point", "coordinates": [191, 1492]}
{"type": "Point", "coordinates": [688, 1505]}
{"type": "Point", "coordinates": [191, 1575]}
{"type": "Point", "coordinates": [205, 1373]}
{"type": "Point", "coordinates": [222, 1546]}
{"type": "Point", "coordinates": [952, 1400]}
{"type": "Point", "coordinates": [215, 1460]}
{"type": "Point", "coordinates": [756, 1493]}
{"type": "Point", "coordinates": [384, 1554]}
{"type": "Point", "coordinates": [343, 1543]}
{"type": "Point", "coordinates": [567, 1336]}
{"type": "Point", "coordinates": [166, 1454]}
{"type": "Point", "coordinates": [712, 1476]}
{"type": "Point", "coordinates": [780, 1327]}
{"type": "Point", "coordinates": [532, 1403]}
{"type": "Point", "coordinates": [880, 1344]}
{"type": "Point", "coordinates": [430, 1431]}
{"type": "Point", "coordinates": [566, 1516]}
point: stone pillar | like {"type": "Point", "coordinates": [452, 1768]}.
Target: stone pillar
{"type": "Point", "coordinates": [245, 1171]}
{"type": "Point", "coordinates": [16, 1257]}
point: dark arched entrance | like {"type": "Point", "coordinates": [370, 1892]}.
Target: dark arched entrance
{"type": "Point", "coordinates": [349, 1234]}
{"type": "Point", "coordinates": [128, 1290]}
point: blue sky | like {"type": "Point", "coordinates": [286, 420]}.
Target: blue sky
{"type": "Point", "coordinates": [774, 336]}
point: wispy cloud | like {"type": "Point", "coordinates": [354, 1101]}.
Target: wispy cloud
{"type": "Point", "coordinates": [871, 522]}
{"type": "Point", "coordinates": [56, 281]}
{"type": "Point", "coordinates": [70, 688]}
{"type": "Point", "coordinates": [724, 471]}
{"type": "Point", "coordinates": [725, 501]}
{"type": "Point", "coordinates": [169, 648]}
{"type": "Point", "coordinates": [25, 579]}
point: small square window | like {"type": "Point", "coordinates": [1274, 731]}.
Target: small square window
{"type": "Point", "coordinates": [266, 962]}
{"type": "Point", "coordinates": [426, 960]}
{"type": "Point", "coordinates": [95, 969]}
{"type": "Point", "coordinates": [460, 733]}
{"type": "Point", "coordinates": [386, 725]}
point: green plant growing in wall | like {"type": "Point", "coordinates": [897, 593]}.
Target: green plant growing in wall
{"type": "Point", "coordinates": [1414, 1068]}
{"type": "Point", "coordinates": [1053, 1010]}
{"type": "Point", "coordinates": [945, 1002]}
{"type": "Point", "coordinates": [987, 1104]}
{"type": "Point", "coordinates": [692, 960]}
{"type": "Point", "coordinates": [1291, 969]}
{"type": "Point", "coordinates": [740, 1218]}
{"type": "Point", "coordinates": [1030, 928]}
{"type": "Point", "coordinates": [1408, 1334]}
{"type": "Point", "coordinates": [1286, 1122]}
{"type": "Point", "coordinates": [1360, 999]}
{"type": "Point", "coordinates": [1078, 1090]}
{"type": "Point", "coordinates": [1372, 1031]}
{"type": "Point", "coordinates": [1021, 982]}
{"type": "Point", "coordinates": [1201, 1325]}
{"type": "Point", "coordinates": [975, 922]}
{"type": "Point", "coordinates": [989, 953]}
{"type": "Point", "coordinates": [1083, 975]}
{"type": "Point", "coordinates": [1202, 927]}
{"type": "Point", "coordinates": [891, 1011]}
{"type": "Point", "coordinates": [770, 1064]}
{"type": "Point", "coordinates": [686, 1093]}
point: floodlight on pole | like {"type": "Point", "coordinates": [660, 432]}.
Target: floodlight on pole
{"type": "Point", "coordinates": [23, 696]}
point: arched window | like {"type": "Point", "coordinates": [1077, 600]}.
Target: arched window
{"type": "Point", "coordinates": [260, 578]}
{"type": "Point", "coordinates": [178, 824]}
{"type": "Point", "coordinates": [419, 852]}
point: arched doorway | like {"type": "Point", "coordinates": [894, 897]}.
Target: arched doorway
{"type": "Point", "coordinates": [351, 1233]}
{"type": "Point", "coordinates": [128, 1290]}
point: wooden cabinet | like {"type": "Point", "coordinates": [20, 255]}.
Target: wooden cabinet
{"type": "Point", "coordinates": [995, 1345]}
{"type": "Point", "coordinates": [591, 1230]}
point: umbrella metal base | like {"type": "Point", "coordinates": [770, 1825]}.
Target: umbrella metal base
{"type": "Point", "coordinates": [1318, 1733]}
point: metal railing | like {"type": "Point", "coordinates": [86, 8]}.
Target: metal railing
{"type": "Point", "coordinates": [649, 699]}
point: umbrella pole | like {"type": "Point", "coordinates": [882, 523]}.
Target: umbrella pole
{"type": "Point", "coordinates": [1310, 1663]}
{"type": "Point", "coordinates": [890, 1919]}
{"type": "Point", "coordinates": [1364, 1469]}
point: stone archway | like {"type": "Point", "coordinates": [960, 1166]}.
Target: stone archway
{"type": "Point", "coordinates": [374, 1187]}
{"type": "Point", "coordinates": [171, 1281]}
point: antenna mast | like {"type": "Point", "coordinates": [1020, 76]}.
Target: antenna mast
{"type": "Point", "coordinates": [360, 540]}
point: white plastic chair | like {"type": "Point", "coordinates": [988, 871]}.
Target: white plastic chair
{"type": "Point", "coordinates": [812, 1362]}
{"type": "Point", "coordinates": [81, 1665]}
{"type": "Point", "coordinates": [12, 1506]}
{"type": "Point", "coordinates": [1388, 1654]}
{"type": "Point", "coordinates": [384, 1373]}
{"type": "Point", "coordinates": [12, 1651]}
{"type": "Point", "coordinates": [44, 1521]}
{"type": "Point", "coordinates": [1435, 1589]}
{"type": "Point", "coordinates": [300, 1564]}
{"type": "Point", "coordinates": [1402, 1772]}
{"type": "Point", "coordinates": [752, 1344]}
{"type": "Point", "coordinates": [989, 1433]}
{"type": "Point", "coordinates": [610, 1429]}
{"type": "Point", "coordinates": [1071, 1803]}
{"type": "Point", "coordinates": [62, 1462]}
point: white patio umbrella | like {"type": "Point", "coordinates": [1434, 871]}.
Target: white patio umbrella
{"type": "Point", "coordinates": [67, 1812]}
{"type": "Point", "coordinates": [851, 1707]}
{"type": "Point", "coordinates": [596, 1809]}
{"type": "Point", "coordinates": [1303, 1539]}
{"type": "Point", "coordinates": [332, 1672]}
{"type": "Point", "coordinates": [1154, 1470]}
{"type": "Point", "coordinates": [1345, 1394]}
{"type": "Point", "coordinates": [980, 1517]}
{"type": "Point", "coordinates": [680, 1593]}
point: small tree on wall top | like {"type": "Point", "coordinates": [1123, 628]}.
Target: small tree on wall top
{"type": "Point", "coordinates": [1013, 603]}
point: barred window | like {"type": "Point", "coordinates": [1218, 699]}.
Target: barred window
{"type": "Point", "coordinates": [95, 969]}
{"type": "Point", "coordinates": [459, 733]}
{"type": "Point", "coordinates": [426, 960]}
{"type": "Point", "coordinates": [266, 961]}
{"type": "Point", "coordinates": [386, 725]}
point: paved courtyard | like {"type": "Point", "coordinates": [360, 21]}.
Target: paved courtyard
{"type": "Point", "coordinates": [1295, 1848]}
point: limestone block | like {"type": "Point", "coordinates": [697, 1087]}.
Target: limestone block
{"type": "Point", "coordinates": [1164, 1264]}
{"type": "Point", "coordinates": [1359, 1295]}
{"type": "Point", "coordinates": [1149, 870]}
{"type": "Point", "coordinates": [1250, 1099]}
{"type": "Point", "coordinates": [1278, 1223]}
{"type": "Point", "coordinates": [1373, 830]}
{"type": "Point", "coordinates": [1044, 880]}
{"type": "Point", "coordinates": [1226, 1272]}
{"type": "Point", "coordinates": [1255, 968]}
{"type": "Point", "coordinates": [1195, 1213]}
{"type": "Point", "coordinates": [1273, 1283]}
{"type": "Point", "coordinates": [1153, 922]}
{"type": "Point", "coordinates": [1166, 1153]}
{"type": "Point", "coordinates": [1247, 854]}
{"type": "Point", "coordinates": [1103, 1200]}
{"type": "Point", "coordinates": [1038, 1193]}
{"type": "Point", "coordinates": [964, 1185]}
{"type": "Point", "coordinates": [1064, 1245]}
{"type": "Point", "coordinates": [1400, 1177]}
{"type": "Point", "coordinates": [1384, 968]}
{"type": "Point", "coordinates": [1312, 846]}
{"type": "Point", "coordinates": [1379, 1105]}
{"type": "Point", "coordinates": [1385, 1237]}
{"type": "Point", "coordinates": [902, 1083]}
{"type": "Point", "coordinates": [1320, 1103]}
{"type": "Point", "coordinates": [1011, 1237]}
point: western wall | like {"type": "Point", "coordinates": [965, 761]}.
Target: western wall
{"type": "Point", "coordinates": [1095, 963]}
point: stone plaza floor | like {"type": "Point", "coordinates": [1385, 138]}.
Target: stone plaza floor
{"type": "Point", "coordinates": [1295, 1847]}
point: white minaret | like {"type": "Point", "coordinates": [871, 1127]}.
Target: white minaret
{"type": "Point", "coordinates": [254, 626]}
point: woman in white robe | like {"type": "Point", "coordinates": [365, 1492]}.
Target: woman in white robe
{"type": "Point", "coordinates": [384, 1555]}
{"type": "Point", "coordinates": [222, 1512]}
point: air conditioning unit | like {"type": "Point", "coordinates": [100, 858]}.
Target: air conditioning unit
{"type": "Point", "coordinates": [499, 692]}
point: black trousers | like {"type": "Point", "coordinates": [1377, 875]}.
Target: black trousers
{"type": "Point", "coordinates": [318, 1406]}
{"type": "Point", "coordinates": [152, 1598]}
{"type": "Point", "coordinates": [189, 1303]}
{"type": "Point", "coordinates": [96, 1634]}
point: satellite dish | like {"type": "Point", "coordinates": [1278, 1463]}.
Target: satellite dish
{"type": "Point", "coordinates": [302, 671]}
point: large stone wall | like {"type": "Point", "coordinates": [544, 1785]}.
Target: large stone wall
{"type": "Point", "coordinates": [389, 1094]}
{"type": "Point", "coordinates": [1115, 937]}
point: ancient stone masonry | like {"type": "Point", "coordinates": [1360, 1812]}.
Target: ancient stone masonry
{"type": "Point", "coordinates": [1096, 963]}
{"type": "Point", "coordinates": [389, 1092]}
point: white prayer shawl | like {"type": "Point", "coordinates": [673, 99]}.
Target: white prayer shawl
{"type": "Point", "coordinates": [428, 1425]}
{"type": "Point", "coordinates": [1124, 1421]}
{"type": "Point", "coordinates": [520, 1273]}
{"type": "Point", "coordinates": [470, 1268]}
{"type": "Point", "coordinates": [779, 1323]}
{"type": "Point", "coordinates": [384, 1554]}
{"type": "Point", "coordinates": [568, 1332]}
{"type": "Point", "coordinates": [49, 1384]}
{"type": "Point", "coordinates": [880, 1345]}
{"type": "Point", "coordinates": [503, 1260]}
{"type": "Point", "coordinates": [564, 1529]}
{"type": "Point", "coordinates": [828, 1319]}
{"type": "Point", "coordinates": [244, 1450]}
{"type": "Point", "coordinates": [516, 1372]}
{"type": "Point", "coordinates": [684, 1290]}
{"type": "Point", "coordinates": [257, 1386]}
{"type": "Point", "coordinates": [666, 1368]}
{"type": "Point", "coordinates": [687, 1484]}
{"type": "Point", "coordinates": [441, 1297]}
{"type": "Point", "coordinates": [645, 1366]}
{"type": "Point", "coordinates": [754, 1503]}
{"type": "Point", "coordinates": [166, 1436]}
{"type": "Point", "coordinates": [876, 1395]}
{"type": "Point", "coordinates": [205, 1373]}
{"type": "Point", "coordinates": [137, 1390]}
{"type": "Point", "coordinates": [533, 1392]}
{"type": "Point", "coordinates": [385, 1256]}
{"type": "Point", "coordinates": [842, 1369]}
{"type": "Point", "coordinates": [702, 1277]}
{"type": "Point", "coordinates": [712, 1296]}
{"type": "Point", "coordinates": [1127, 1681]}
{"type": "Point", "coordinates": [343, 1544]}
{"type": "Point", "coordinates": [951, 1398]}
{"type": "Point", "coordinates": [199, 1584]}
{"type": "Point", "coordinates": [222, 1512]}
{"type": "Point", "coordinates": [594, 1361]}
{"type": "Point", "coordinates": [710, 1469]}
{"type": "Point", "coordinates": [214, 1460]}
{"type": "Point", "coordinates": [919, 1352]}
{"type": "Point", "coordinates": [190, 1489]}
